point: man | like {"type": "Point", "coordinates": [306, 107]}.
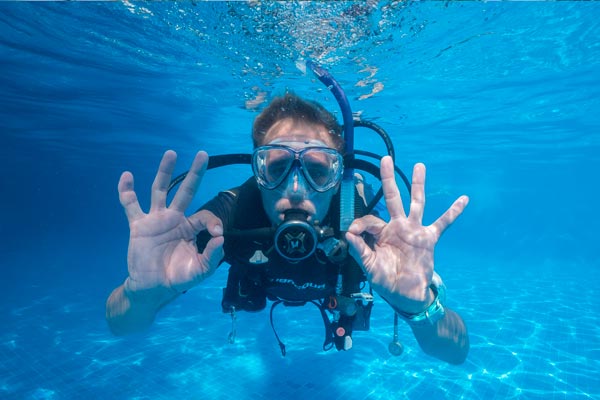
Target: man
{"type": "Point", "coordinates": [297, 164]}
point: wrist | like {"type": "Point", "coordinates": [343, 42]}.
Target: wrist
{"type": "Point", "coordinates": [431, 313]}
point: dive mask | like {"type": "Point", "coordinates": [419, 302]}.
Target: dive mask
{"type": "Point", "coordinates": [322, 167]}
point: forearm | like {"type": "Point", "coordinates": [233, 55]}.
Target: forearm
{"type": "Point", "coordinates": [128, 314]}
{"type": "Point", "coordinates": [446, 339]}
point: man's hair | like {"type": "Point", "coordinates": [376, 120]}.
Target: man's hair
{"type": "Point", "coordinates": [298, 109]}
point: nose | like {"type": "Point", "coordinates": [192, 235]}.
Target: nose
{"type": "Point", "coordinates": [296, 185]}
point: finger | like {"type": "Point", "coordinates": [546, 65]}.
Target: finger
{"type": "Point", "coordinates": [417, 194]}
{"type": "Point", "coordinates": [212, 256]}
{"type": "Point", "coordinates": [360, 251]}
{"type": "Point", "coordinates": [161, 182]}
{"type": "Point", "coordinates": [128, 198]}
{"type": "Point", "coordinates": [391, 193]}
{"type": "Point", "coordinates": [205, 219]}
{"type": "Point", "coordinates": [443, 222]}
{"type": "Point", "coordinates": [190, 184]}
{"type": "Point", "coordinates": [369, 223]}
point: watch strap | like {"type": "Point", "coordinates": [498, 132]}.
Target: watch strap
{"type": "Point", "coordinates": [431, 314]}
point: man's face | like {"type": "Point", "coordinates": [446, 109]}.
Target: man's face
{"type": "Point", "coordinates": [295, 192]}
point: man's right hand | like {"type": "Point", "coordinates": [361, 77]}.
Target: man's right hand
{"type": "Point", "coordinates": [163, 258]}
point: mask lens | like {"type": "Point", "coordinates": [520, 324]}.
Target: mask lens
{"type": "Point", "coordinates": [277, 164]}
{"type": "Point", "coordinates": [321, 167]}
{"type": "Point", "coordinates": [271, 165]}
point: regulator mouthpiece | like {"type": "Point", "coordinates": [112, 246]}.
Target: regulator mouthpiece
{"type": "Point", "coordinates": [295, 238]}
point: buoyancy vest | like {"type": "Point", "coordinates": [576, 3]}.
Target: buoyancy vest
{"type": "Point", "coordinates": [257, 272]}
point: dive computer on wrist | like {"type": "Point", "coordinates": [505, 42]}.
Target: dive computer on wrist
{"type": "Point", "coordinates": [431, 314]}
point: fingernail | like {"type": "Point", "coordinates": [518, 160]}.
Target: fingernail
{"type": "Point", "coordinates": [218, 230]}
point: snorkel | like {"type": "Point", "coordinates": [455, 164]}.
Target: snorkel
{"type": "Point", "coordinates": [347, 186]}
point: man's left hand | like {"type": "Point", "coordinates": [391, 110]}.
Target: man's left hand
{"type": "Point", "coordinates": [399, 265]}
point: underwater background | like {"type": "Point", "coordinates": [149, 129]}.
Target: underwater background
{"type": "Point", "coordinates": [501, 101]}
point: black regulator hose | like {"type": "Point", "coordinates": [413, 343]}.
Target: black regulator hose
{"type": "Point", "coordinates": [359, 123]}
{"type": "Point", "coordinates": [362, 165]}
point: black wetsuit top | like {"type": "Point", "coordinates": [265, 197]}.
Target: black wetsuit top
{"type": "Point", "coordinates": [251, 280]}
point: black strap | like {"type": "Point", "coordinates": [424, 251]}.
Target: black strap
{"type": "Point", "coordinates": [281, 345]}
{"type": "Point", "coordinates": [329, 336]}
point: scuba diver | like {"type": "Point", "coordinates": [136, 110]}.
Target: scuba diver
{"type": "Point", "coordinates": [303, 229]}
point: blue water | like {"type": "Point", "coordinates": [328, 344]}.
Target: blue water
{"type": "Point", "coordinates": [500, 100]}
